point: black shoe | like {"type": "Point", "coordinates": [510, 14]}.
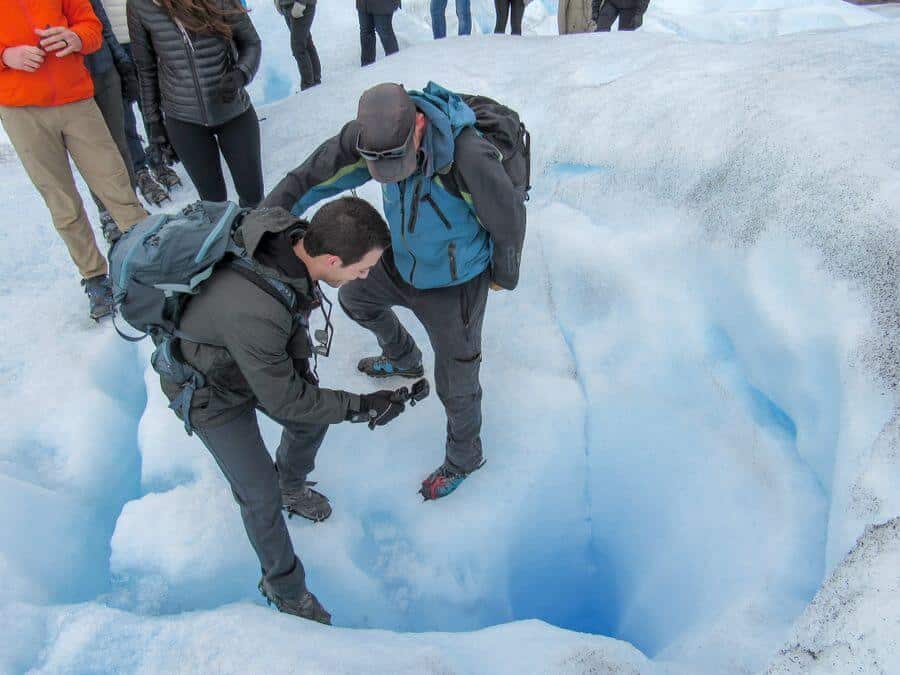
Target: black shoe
{"type": "Point", "coordinates": [111, 231]}
{"type": "Point", "coordinates": [167, 177]}
{"type": "Point", "coordinates": [307, 607]}
{"type": "Point", "coordinates": [100, 296]}
{"type": "Point", "coordinates": [150, 190]}
{"type": "Point", "coordinates": [444, 480]}
{"type": "Point", "coordinates": [381, 367]}
{"type": "Point", "coordinates": [307, 503]}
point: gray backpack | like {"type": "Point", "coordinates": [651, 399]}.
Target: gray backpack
{"type": "Point", "coordinates": [157, 266]}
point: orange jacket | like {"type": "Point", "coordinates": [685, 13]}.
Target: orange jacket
{"type": "Point", "coordinates": [59, 80]}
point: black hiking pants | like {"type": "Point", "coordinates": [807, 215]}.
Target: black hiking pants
{"type": "Point", "coordinates": [198, 149]}
{"type": "Point", "coordinates": [302, 46]}
{"type": "Point", "coordinates": [256, 483]}
{"type": "Point", "coordinates": [502, 7]}
{"type": "Point", "coordinates": [369, 24]}
{"type": "Point", "coordinates": [452, 317]}
{"type": "Point", "coordinates": [108, 96]}
{"type": "Point", "coordinates": [630, 18]}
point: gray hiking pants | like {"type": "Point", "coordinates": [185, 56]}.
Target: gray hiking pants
{"type": "Point", "coordinates": [256, 483]}
{"type": "Point", "coordinates": [452, 317]}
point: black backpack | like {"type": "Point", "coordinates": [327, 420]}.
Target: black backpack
{"type": "Point", "coordinates": [506, 132]}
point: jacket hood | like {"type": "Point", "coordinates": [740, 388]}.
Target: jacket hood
{"type": "Point", "coordinates": [447, 116]}
{"type": "Point", "coordinates": [257, 224]}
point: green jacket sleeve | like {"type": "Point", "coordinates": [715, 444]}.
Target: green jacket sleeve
{"type": "Point", "coordinates": [500, 207]}
{"type": "Point", "coordinates": [259, 348]}
{"type": "Point", "coordinates": [334, 167]}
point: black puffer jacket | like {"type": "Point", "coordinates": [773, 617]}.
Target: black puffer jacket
{"type": "Point", "coordinates": [181, 72]}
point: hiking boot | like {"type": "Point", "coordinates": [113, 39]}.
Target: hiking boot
{"type": "Point", "coordinates": [100, 296]}
{"type": "Point", "coordinates": [307, 503]}
{"type": "Point", "coordinates": [150, 190]}
{"type": "Point", "coordinates": [167, 177]}
{"type": "Point", "coordinates": [111, 231]}
{"type": "Point", "coordinates": [382, 366]}
{"type": "Point", "coordinates": [443, 481]}
{"type": "Point", "coordinates": [306, 607]}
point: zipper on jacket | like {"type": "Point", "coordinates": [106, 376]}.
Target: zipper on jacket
{"type": "Point", "coordinates": [189, 47]}
{"type": "Point", "coordinates": [451, 253]}
{"type": "Point", "coordinates": [428, 198]}
{"type": "Point", "coordinates": [414, 206]}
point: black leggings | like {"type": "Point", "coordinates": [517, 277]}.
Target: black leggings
{"type": "Point", "coordinates": [502, 8]}
{"type": "Point", "coordinates": [238, 139]}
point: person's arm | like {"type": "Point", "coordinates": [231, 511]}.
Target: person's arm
{"type": "Point", "coordinates": [145, 62]}
{"type": "Point", "coordinates": [118, 52]}
{"type": "Point", "coordinates": [334, 167]}
{"type": "Point", "coordinates": [248, 44]}
{"type": "Point", "coordinates": [84, 23]}
{"type": "Point", "coordinates": [500, 207]}
{"type": "Point", "coordinates": [259, 348]}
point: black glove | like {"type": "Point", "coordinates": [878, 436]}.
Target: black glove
{"type": "Point", "coordinates": [384, 406]}
{"type": "Point", "coordinates": [231, 85]}
{"type": "Point", "coordinates": [131, 87]}
{"type": "Point", "coordinates": [161, 150]}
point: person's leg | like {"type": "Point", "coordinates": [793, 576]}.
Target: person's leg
{"type": "Point", "coordinates": [368, 302]}
{"type": "Point", "coordinates": [88, 141]}
{"type": "Point", "coordinates": [366, 37]}
{"type": "Point", "coordinates": [464, 14]}
{"type": "Point", "coordinates": [516, 14]}
{"type": "Point", "coordinates": [501, 7]}
{"type": "Point", "coordinates": [238, 449]}
{"type": "Point", "coordinates": [314, 61]}
{"type": "Point", "coordinates": [385, 27]}
{"type": "Point", "coordinates": [453, 318]}
{"type": "Point", "coordinates": [296, 455]}
{"type": "Point", "coordinates": [299, 28]}
{"type": "Point", "coordinates": [36, 134]}
{"type": "Point", "coordinates": [108, 96]}
{"type": "Point", "coordinates": [606, 16]}
{"type": "Point", "coordinates": [629, 19]}
{"type": "Point", "coordinates": [135, 142]}
{"type": "Point", "coordinates": [240, 145]}
{"type": "Point", "coordinates": [438, 10]}
{"type": "Point", "coordinates": [198, 151]}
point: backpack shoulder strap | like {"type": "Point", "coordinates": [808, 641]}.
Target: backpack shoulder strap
{"type": "Point", "coordinates": [282, 293]}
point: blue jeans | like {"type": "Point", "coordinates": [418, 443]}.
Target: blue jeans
{"type": "Point", "coordinates": [439, 22]}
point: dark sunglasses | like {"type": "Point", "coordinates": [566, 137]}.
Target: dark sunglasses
{"type": "Point", "coordinates": [394, 153]}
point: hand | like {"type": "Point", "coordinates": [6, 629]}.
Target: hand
{"type": "Point", "coordinates": [496, 287]}
{"type": "Point", "coordinates": [131, 87]}
{"type": "Point", "coordinates": [231, 85]}
{"type": "Point", "coordinates": [160, 148]}
{"type": "Point", "coordinates": [384, 406]}
{"type": "Point", "coordinates": [59, 39]}
{"type": "Point", "coordinates": [24, 57]}
{"type": "Point", "coordinates": [297, 10]}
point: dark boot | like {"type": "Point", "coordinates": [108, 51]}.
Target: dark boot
{"type": "Point", "coordinates": [382, 366]}
{"type": "Point", "coordinates": [307, 503]}
{"type": "Point", "coordinates": [306, 607]}
{"type": "Point", "coordinates": [150, 190]}
{"type": "Point", "coordinates": [111, 231]}
{"type": "Point", "coordinates": [443, 481]}
{"type": "Point", "coordinates": [100, 296]}
{"type": "Point", "coordinates": [167, 177]}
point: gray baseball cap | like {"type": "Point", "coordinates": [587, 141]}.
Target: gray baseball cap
{"type": "Point", "coordinates": [387, 129]}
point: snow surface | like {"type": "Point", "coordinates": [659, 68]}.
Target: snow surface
{"type": "Point", "coordinates": [691, 401]}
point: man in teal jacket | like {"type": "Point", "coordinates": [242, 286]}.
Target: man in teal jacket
{"type": "Point", "coordinates": [457, 228]}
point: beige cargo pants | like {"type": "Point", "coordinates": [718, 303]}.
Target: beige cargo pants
{"type": "Point", "coordinates": [44, 138]}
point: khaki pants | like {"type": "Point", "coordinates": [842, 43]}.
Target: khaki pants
{"type": "Point", "coordinates": [44, 138]}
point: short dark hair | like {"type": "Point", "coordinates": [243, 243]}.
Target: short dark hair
{"type": "Point", "coordinates": [348, 228]}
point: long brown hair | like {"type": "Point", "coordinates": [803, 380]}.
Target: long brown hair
{"type": "Point", "coordinates": [203, 16]}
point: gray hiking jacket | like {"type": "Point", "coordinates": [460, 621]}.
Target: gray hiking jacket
{"type": "Point", "coordinates": [252, 351]}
